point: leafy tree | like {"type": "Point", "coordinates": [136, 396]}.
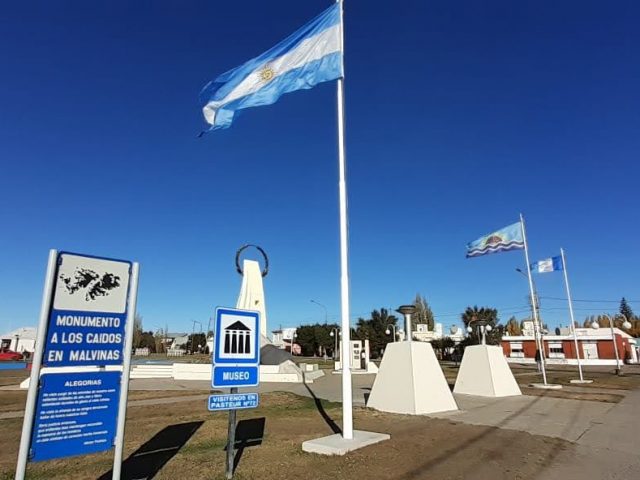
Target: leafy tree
{"type": "Point", "coordinates": [159, 338]}
{"type": "Point", "coordinates": [196, 339]}
{"type": "Point", "coordinates": [423, 313]}
{"type": "Point", "coordinates": [316, 339]}
{"type": "Point", "coordinates": [513, 327]}
{"type": "Point", "coordinates": [443, 347]}
{"type": "Point", "coordinates": [374, 329]}
{"type": "Point", "coordinates": [486, 315]}
{"type": "Point", "coordinates": [147, 340]}
{"type": "Point", "coordinates": [625, 309]}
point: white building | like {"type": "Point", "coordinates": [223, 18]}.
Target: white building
{"type": "Point", "coordinates": [423, 334]}
{"type": "Point", "coordinates": [283, 337]}
{"type": "Point", "coordinates": [20, 340]}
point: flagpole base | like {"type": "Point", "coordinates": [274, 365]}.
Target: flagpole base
{"type": "Point", "coordinates": [580, 381]}
{"type": "Point", "coordinates": [546, 386]}
{"type": "Point", "coordinates": [338, 445]}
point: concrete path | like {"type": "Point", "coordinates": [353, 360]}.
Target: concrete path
{"type": "Point", "coordinates": [548, 416]}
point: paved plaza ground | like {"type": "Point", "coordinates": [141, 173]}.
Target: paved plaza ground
{"type": "Point", "coordinates": [586, 432]}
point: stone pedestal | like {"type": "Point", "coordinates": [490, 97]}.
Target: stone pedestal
{"type": "Point", "coordinates": [485, 372]}
{"type": "Point", "coordinates": [410, 381]}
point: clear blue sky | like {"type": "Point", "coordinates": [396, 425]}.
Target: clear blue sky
{"type": "Point", "coordinates": [460, 115]}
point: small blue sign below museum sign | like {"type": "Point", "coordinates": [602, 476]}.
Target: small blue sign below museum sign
{"type": "Point", "coordinates": [233, 401]}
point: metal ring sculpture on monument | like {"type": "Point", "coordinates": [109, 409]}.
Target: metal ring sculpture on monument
{"type": "Point", "coordinates": [265, 270]}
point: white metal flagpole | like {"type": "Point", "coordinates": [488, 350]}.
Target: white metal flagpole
{"type": "Point", "coordinates": [126, 370]}
{"type": "Point", "coordinates": [573, 327]}
{"type": "Point", "coordinates": [536, 320]}
{"type": "Point", "coordinates": [36, 364]}
{"type": "Point", "coordinates": [347, 396]}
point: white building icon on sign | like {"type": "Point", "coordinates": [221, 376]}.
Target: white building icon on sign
{"type": "Point", "coordinates": [237, 339]}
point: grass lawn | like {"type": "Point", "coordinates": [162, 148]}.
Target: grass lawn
{"type": "Point", "coordinates": [184, 440]}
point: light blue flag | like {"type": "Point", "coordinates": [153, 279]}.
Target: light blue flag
{"type": "Point", "coordinates": [547, 265]}
{"type": "Point", "coordinates": [310, 56]}
{"type": "Point", "coordinates": [503, 240]}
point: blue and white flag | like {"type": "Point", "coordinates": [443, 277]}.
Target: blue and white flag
{"type": "Point", "coordinates": [547, 265]}
{"type": "Point", "coordinates": [503, 240]}
{"type": "Point", "coordinates": [310, 56]}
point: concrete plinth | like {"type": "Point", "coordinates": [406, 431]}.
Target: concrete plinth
{"type": "Point", "coordinates": [577, 380]}
{"type": "Point", "coordinates": [484, 372]}
{"type": "Point", "coordinates": [336, 445]}
{"type": "Point", "coordinates": [410, 381]}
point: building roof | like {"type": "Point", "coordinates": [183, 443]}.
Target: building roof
{"type": "Point", "coordinates": [237, 326]}
{"type": "Point", "coordinates": [22, 332]}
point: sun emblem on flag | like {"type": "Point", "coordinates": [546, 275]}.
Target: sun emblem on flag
{"type": "Point", "coordinates": [493, 240]}
{"type": "Point", "coordinates": [267, 74]}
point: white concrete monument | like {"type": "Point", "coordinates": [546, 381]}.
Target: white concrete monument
{"type": "Point", "coordinates": [252, 293]}
{"type": "Point", "coordinates": [484, 372]}
{"type": "Point", "coordinates": [410, 379]}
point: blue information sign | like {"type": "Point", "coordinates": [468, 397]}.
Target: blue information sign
{"type": "Point", "coordinates": [236, 350]}
{"type": "Point", "coordinates": [233, 401]}
{"type": "Point", "coordinates": [76, 414]}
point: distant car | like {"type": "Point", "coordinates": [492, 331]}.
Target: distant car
{"type": "Point", "coordinates": [8, 355]}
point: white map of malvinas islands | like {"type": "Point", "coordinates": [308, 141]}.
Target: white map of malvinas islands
{"type": "Point", "coordinates": [91, 284]}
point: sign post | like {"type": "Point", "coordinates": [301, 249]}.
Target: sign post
{"type": "Point", "coordinates": [236, 363]}
{"type": "Point", "coordinates": [80, 372]}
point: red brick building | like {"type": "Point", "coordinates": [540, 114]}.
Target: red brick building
{"type": "Point", "coordinates": [594, 345]}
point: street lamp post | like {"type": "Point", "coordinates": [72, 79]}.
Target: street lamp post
{"type": "Point", "coordinates": [326, 315]}
{"type": "Point", "coordinates": [625, 325]}
{"type": "Point", "coordinates": [294, 335]}
{"type": "Point", "coordinates": [483, 328]}
{"type": "Point", "coordinates": [388, 332]}
{"type": "Point", "coordinates": [334, 333]}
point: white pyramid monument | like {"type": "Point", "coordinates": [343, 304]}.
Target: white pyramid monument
{"type": "Point", "coordinates": [411, 381]}
{"type": "Point", "coordinates": [485, 372]}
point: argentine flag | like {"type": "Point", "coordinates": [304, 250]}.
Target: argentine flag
{"type": "Point", "coordinates": [547, 265]}
{"type": "Point", "coordinates": [311, 55]}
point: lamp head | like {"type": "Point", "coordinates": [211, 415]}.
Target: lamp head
{"type": "Point", "coordinates": [469, 329]}
{"type": "Point", "coordinates": [626, 325]}
{"type": "Point", "coordinates": [488, 328]}
{"type": "Point", "coordinates": [331, 334]}
{"type": "Point", "coordinates": [595, 325]}
{"type": "Point", "coordinates": [406, 309]}
{"type": "Point", "coordinates": [387, 332]}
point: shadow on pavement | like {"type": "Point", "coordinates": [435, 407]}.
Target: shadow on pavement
{"type": "Point", "coordinates": [149, 459]}
{"type": "Point", "coordinates": [249, 433]}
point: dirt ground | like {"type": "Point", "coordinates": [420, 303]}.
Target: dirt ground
{"type": "Point", "coordinates": [185, 441]}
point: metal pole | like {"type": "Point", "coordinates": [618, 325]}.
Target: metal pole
{"type": "Point", "coordinates": [536, 321]}
{"type": "Point", "coordinates": [407, 326]}
{"type": "Point", "coordinates": [347, 394]}
{"type": "Point", "coordinates": [615, 345]}
{"type": "Point", "coordinates": [573, 328]}
{"type": "Point", "coordinates": [231, 439]}
{"type": "Point", "coordinates": [126, 367]}
{"type": "Point", "coordinates": [34, 378]}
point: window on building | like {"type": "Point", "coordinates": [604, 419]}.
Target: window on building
{"type": "Point", "coordinates": [516, 350]}
{"type": "Point", "coordinates": [556, 350]}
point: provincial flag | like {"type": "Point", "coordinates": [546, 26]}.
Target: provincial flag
{"type": "Point", "coordinates": [547, 265]}
{"type": "Point", "coordinates": [503, 240]}
{"type": "Point", "coordinates": [311, 55]}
